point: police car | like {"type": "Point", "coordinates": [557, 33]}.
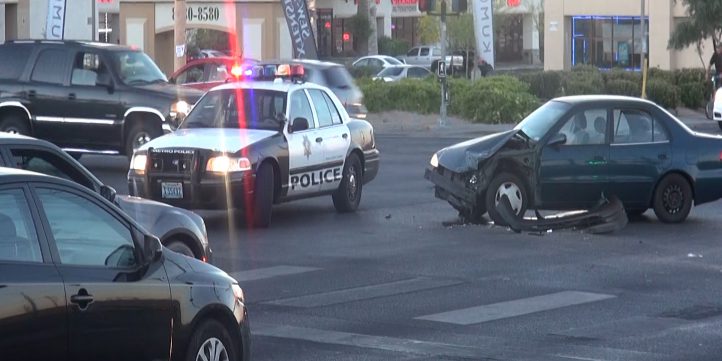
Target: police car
{"type": "Point", "coordinates": [268, 139]}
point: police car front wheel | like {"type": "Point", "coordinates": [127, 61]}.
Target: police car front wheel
{"type": "Point", "coordinates": [263, 196]}
{"type": "Point", "coordinates": [348, 195]}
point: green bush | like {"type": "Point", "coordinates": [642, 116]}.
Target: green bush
{"type": "Point", "coordinates": [684, 76]}
{"type": "Point", "coordinates": [544, 84]}
{"type": "Point", "coordinates": [692, 94]}
{"type": "Point", "coordinates": [659, 74]}
{"type": "Point", "coordinates": [664, 93]}
{"type": "Point", "coordinates": [583, 80]}
{"type": "Point", "coordinates": [497, 99]}
{"type": "Point", "coordinates": [621, 74]}
{"type": "Point", "coordinates": [363, 71]}
{"type": "Point", "coordinates": [392, 47]}
{"type": "Point", "coordinates": [623, 87]}
{"type": "Point", "coordinates": [412, 95]}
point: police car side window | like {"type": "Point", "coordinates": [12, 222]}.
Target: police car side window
{"type": "Point", "coordinates": [301, 108]}
{"type": "Point", "coordinates": [335, 116]}
{"type": "Point", "coordinates": [322, 111]}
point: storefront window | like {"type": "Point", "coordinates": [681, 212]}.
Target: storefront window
{"type": "Point", "coordinates": [607, 41]}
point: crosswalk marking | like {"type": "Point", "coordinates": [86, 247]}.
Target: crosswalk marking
{"type": "Point", "coordinates": [269, 272]}
{"type": "Point", "coordinates": [363, 293]}
{"type": "Point", "coordinates": [524, 306]}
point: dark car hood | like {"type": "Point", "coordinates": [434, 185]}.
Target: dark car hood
{"type": "Point", "coordinates": [173, 91]}
{"type": "Point", "coordinates": [154, 216]}
{"type": "Point", "coordinates": [465, 156]}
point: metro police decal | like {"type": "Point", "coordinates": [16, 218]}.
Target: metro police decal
{"type": "Point", "coordinates": [317, 177]}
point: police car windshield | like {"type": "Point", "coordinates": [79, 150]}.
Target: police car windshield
{"type": "Point", "coordinates": [240, 109]}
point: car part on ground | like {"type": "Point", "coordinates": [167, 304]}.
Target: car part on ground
{"type": "Point", "coordinates": [609, 216]}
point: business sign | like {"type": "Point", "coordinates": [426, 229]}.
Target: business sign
{"type": "Point", "coordinates": [404, 6]}
{"type": "Point", "coordinates": [299, 25]}
{"type": "Point", "coordinates": [55, 24]}
{"type": "Point", "coordinates": [484, 29]}
{"type": "Point", "coordinates": [197, 14]}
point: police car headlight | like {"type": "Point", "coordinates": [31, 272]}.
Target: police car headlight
{"type": "Point", "coordinates": [434, 161]}
{"type": "Point", "coordinates": [138, 163]}
{"type": "Point", "coordinates": [180, 107]}
{"type": "Point", "coordinates": [226, 164]}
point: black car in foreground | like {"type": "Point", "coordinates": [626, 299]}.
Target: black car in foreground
{"type": "Point", "coordinates": [178, 229]}
{"type": "Point", "coordinates": [80, 280]}
{"type": "Point", "coordinates": [87, 97]}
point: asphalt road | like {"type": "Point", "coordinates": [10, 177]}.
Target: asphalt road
{"type": "Point", "coordinates": [392, 282]}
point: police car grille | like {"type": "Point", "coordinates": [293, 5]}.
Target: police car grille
{"type": "Point", "coordinates": [171, 163]}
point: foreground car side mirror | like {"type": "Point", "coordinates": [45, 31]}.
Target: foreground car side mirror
{"type": "Point", "coordinates": [557, 140]}
{"type": "Point", "coordinates": [152, 248]}
{"type": "Point", "coordinates": [108, 193]}
{"type": "Point", "coordinates": [298, 125]}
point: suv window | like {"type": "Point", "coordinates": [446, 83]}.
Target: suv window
{"type": "Point", "coordinates": [424, 52]}
{"type": "Point", "coordinates": [324, 114]}
{"type": "Point", "coordinates": [47, 163]}
{"type": "Point", "coordinates": [338, 77]}
{"type": "Point", "coordinates": [217, 72]}
{"type": "Point", "coordinates": [13, 60]}
{"type": "Point", "coordinates": [85, 233]}
{"type": "Point", "coordinates": [413, 52]}
{"type": "Point", "coordinates": [50, 66]}
{"type": "Point", "coordinates": [86, 68]}
{"type": "Point", "coordinates": [18, 240]}
{"type": "Point", "coordinates": [300, 108]}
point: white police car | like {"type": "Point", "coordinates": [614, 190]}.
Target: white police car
{"type": "Point", "coordinates": [269, 139]}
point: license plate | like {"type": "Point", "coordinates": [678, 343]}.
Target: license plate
{"type": "Point", "coordinates": [171, 190]}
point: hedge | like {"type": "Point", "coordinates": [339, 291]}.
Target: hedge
{"type": "Point", "coordinates": [664, 93]}
{"type": "Point", "coordinates": [623, 87]}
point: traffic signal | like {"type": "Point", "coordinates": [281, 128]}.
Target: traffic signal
{"type": "Point", "coordinates": [458, 6]}
{"type": "Point", "coordinates": [427, 5]}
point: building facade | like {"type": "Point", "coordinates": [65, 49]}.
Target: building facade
{"type": "Point", "coordinates": [609, 34]}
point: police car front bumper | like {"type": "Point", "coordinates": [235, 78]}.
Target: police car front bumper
{"type": "Point", "coordinates": [209, 192]}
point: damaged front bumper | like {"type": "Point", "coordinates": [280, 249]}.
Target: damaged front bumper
{"type": "Point", "coordinates": [609, 216]}
{"type": "Point", "coordinates": [451, 187]}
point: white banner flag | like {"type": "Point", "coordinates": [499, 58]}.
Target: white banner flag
{"type": "Point", "coordinates": [55, 26]}
{"type": "Point", "coordinates": [484, 29]}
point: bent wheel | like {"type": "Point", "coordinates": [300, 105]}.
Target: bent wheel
{"type": "Point", "coordinates": [510, 185]}
{"type": "Point", "coordinates": [673, 199]}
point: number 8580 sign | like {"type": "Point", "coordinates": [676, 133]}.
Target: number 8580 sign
{"type": "Point", "coordinates": [200, 13]}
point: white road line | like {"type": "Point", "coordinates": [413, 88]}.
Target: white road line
{"type": "Point", "coordinates": [269, 272]}
{"type": "Point", "coordinates": [524, 306]}
{"type": "Point", "coordinates": [363, 293]}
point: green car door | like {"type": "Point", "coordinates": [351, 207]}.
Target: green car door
{"type": "Point", "coordinates": [574, 174]}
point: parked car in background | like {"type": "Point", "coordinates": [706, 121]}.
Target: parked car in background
{"type": "Point", "coordinates": [206, 73]}
{"type": "Point", "coordinates": [396, 73]}
{"type": "Point", "coordinates": [335, 77]}
{"type": "Point", "coordinates": [427, 56]}
{"type": "Point", "coordinates": [81, 280]}
{"type": "Point", "coordinates": [376, 62]}
{"type": "Point", "coordinates": [87, 97]}
{"type": "Point", "coordinates": [178, 229]}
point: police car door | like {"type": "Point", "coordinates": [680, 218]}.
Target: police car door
{"type": "Point", "coordinates": [305, 151]}
{"type": "Point", "coordinates": [335, 138]}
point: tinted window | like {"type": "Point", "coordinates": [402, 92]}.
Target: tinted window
{"type": "Point", "coordinates": [217, 72]}
{"type": "Point", "coordinates": [424, 52]}
{"type": "Point", "coordinates": [335, 116]}
{"type": "Point", "coordinates": [537, 124]}
{"type": "Point", "coordinates": [324, 114]}
{"type": "Point", "coordinates": [86, 68]}
{"type": "Point", "coordinates": [18, 240]}
{"type": "Point", "coordinates": [586, 127]}
{"type": "Point", "coordinates": [635, 126]}
{"type": "Point", "coordinates": [136, 68]}
{"type": "Point", "coordinates": [50, 66]}
{"type": "Point", "coordinates": [193, 74]}
{"type": "Point", "coordinates": [413, 52]}
{"type": "Point", "coordinates": [48, 163]}
{"type": "Point", "coordinates": [392, 61]}
{"type": "Point", "coordinates": [338, 77]}
{"type": "Point", "coordinates": [236, 108]}
{"type": "Point", "coordinates": [362, 62]}
{"type": "Point", "coordinates": [85, 233]}
{"type": "Point", "coordinates": [13, 60]}
{"type": "Point", "coordinates": [300, 108]}
{"type": "Point", "coordinates": [376, 63]}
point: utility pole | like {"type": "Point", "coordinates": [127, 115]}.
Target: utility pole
{"type": "Point", "coordinates": [644, 64]}
{"type": "Point", "coordinates": [442, 62]}
{"type": "Point", "coordinates": [179, 34]}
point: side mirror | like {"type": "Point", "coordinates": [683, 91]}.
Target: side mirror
{"type": "Point", "coordinates": [298, 125]}
{"type": "Point", "coordinates": [108, 193]}
{"type": "Point", "coordinates": [557, 140]}
{"type": "Point", "coordinates": [105, 81]}
{"type": "Point", "coordinates": [152, 248]}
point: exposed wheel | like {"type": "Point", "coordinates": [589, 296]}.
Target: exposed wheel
{"type": "Point", "coordinates": [263, 196]}
{"type": "Point", "coordinates": [348, 195]}
{"type": "Point", "coordinates": [511, 186]}
{"type": "Point", "coordinates": [15, 124]}
{"type": "Point", "coordinates": [180, 247]}
{"type": "Point", "coordinates": [139, 134]}
{"type": "Point", "coordinates": [673, 199]}
{"type": "Point", "coordinates": [211, 342]}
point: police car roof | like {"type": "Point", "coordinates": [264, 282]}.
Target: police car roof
{"type": "Point", "coordinates": [283, 85]}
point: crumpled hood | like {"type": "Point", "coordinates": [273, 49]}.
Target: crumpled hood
{"type": "Point", "coordinates": [465, 156]}
{"type": "Point", "coordinates": [214, 139]}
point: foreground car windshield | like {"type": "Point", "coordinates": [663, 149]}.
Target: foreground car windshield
{"type": "Point", "coordinates": [538, 123]}
{"type": "Point", "coordinates": [136, 68]}
{"type": "Point", "coordinates": [391, 71]}
{"type": "Point", "coordinates": [238, 108]}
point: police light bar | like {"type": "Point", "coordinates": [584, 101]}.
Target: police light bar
{"type": "Point", "coordinates": [268, 72]}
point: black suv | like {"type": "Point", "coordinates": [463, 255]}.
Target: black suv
{"type": "Point", "coordinates": [87, 97]}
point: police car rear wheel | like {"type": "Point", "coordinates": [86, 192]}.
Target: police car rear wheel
{"type": "Point", "coordinates": [348, 195]}
{"type": "Point", "coordinates": [263, 196]}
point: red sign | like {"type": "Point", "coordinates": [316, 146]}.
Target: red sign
{"type": "Point", "coordinates": [346, 36]}
{"type": "Point", "coordinates": [513, 3]}
{"type": "Point", "coordinates": [327, 25]}
{"type": "Point", "coordinates": [404, 2]}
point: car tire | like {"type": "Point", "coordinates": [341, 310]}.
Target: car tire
{"type": "Point", "coordinates": [181, 247]}
{"type": "Point", "coordinates": [506, 183]}
{"type": "Point", "coordinates": [673, 199]}
{"type": "Point", "coordinates": [263, 196]}
{"type": "Point", "coordinates": [16, 124]}
{"type": "Point", "coordinates": [139, 134]}
{"type": "Point", "coordinates": [348, 195]}
{"type": "Point", "coordinates": [209, 336]}
{"type": "Point", "coordinates": [719, 124]}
